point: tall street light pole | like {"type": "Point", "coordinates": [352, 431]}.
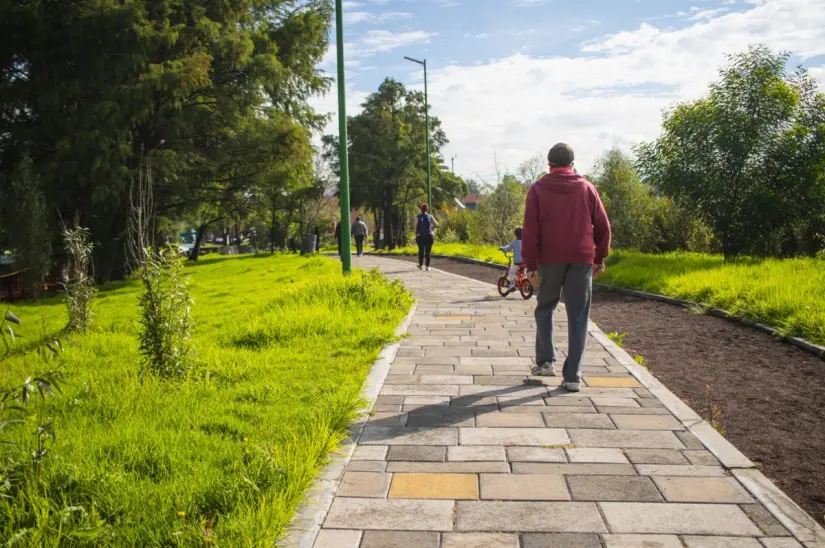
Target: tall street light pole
{"type": "Point", "coordinates": [343, 153]}
{"type": "Point", "coordinates": [427, 118]}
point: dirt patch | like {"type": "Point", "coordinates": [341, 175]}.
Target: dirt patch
{"type": "Point", "coordinates": [770, 396]}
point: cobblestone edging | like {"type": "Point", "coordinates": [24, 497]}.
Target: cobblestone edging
{"type": "Point", "coordinates": [306, 524]}
{"type": "Point", "coordinates": [798, 342]}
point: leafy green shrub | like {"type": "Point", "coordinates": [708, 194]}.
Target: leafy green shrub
{"type": "Point", "coordinates": [165, 315]}
{"type": "Point", "coordinates": [448, 236]}
{"type": "Point", "coordinates": [78, 280]}
{"type": "Point", "coordinates": [458, 223]}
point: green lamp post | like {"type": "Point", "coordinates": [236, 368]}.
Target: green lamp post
{"type": "Point", "coordinates": [343, 153]}
{"type": "Point", "coordinates": [427, 118]}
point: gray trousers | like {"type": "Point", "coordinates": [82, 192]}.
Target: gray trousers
{"type": "Point", "coordinates": [576, 280]}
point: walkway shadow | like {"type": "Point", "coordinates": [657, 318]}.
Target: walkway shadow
{"type": "Point", "coordinates": [461, 411]}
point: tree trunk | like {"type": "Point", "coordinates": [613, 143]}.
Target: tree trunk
{"type": "Point", "coordinates": [376, 235]}
{"type": "Point", "coordinates": [195, 253]}
{"type": "Point", "coordinates": [272, 231]}
{"type": "Point", "coordinates": [389, 234]}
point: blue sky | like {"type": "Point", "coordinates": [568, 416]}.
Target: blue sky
{"type": "Point", "coordinates": [509, 78]}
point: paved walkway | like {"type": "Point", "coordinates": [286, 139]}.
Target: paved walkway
{"type": "Point", "coordinates": [464, 449]}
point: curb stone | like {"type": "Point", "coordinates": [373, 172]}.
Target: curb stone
{"type": "Point", "coordinates": [306, 525]}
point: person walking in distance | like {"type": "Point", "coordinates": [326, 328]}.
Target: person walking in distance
{"type": "Point", "coordinates": [565, 239]}
{"type": "Point", "coordinates": [359, 230]}
{"type": "Point", "coordinates": [424, 236]}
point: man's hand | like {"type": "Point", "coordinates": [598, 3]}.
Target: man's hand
{"type": "Point", "coordinates": [533, 277]}
{"type": "Point", "coordinates": [597, 270]}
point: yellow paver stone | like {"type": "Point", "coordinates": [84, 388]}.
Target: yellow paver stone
{"type": "Point", "coordinates": [434, 486]}
{"type": "Point", "coordinates": [612, 382]}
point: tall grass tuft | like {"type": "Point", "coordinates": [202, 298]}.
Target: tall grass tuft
{"type": "Point", "coordinates": [165, 315]}
{"type": "Point", "coordinates": [78, 281]}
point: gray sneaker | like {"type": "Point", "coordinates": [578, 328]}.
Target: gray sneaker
{"type": "Point", "coordinates": [570, 386]}
{"type": "Point", "coordinates": [544, 369]}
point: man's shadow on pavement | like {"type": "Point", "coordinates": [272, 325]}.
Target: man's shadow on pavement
{"type": "Point", "coordinates": [461, 411]}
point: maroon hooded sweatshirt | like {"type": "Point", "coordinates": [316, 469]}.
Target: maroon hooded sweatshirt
{"type": "Point", "coordinates": [564, 222]}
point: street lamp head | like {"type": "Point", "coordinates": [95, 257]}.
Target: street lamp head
{"type": "Point", "coordinates": [415, 60]}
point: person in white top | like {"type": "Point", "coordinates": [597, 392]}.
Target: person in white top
{"type": "Point", "coordinates": [515, 247]}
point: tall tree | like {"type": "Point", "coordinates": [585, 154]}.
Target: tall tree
{"type": "Point", "coordinates": [531, 169]}
{"type": "Point", "coordinates": [388, 157]}
{"type": "Point", "coordinates": [499, 213]}
{"type": "Point", "coordinates": [749, 158]}
{"type": "Point", "coordinates": [629, 203]}
{"type": "Point", "coordinates": [88, 88]}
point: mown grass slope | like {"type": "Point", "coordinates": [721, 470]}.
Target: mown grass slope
{"type": "Point", "coordinates": [282, 345]}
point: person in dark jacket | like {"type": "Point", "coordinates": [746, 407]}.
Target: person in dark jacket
{"type": "Point", "coordinates": [425, 225]}
{"type": "Point", "coordinates": [565, 239]}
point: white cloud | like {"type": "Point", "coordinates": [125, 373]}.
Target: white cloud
{"type": "Point", "coordinates": [373, 42]}
{"type": "Point", "coordinates": [707, 14]}
{"type": "Point", "coordinates": [355, 17]}
{"type": "Point", "coordinates": [612, 93]}
{"type": "Point", "coordinates": [529, 3]}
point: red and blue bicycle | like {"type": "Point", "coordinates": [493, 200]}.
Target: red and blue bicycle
{"type": "Point", "coordinates": [522, 282]}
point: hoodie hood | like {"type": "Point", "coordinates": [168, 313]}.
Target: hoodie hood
{"type": "Point", "coordinates": [561, 182]}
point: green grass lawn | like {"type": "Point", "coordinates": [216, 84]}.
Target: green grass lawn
{"type": "Point", "coordinates": [788, 294]}
{"type": "Point", "coordinates": [223, 457]}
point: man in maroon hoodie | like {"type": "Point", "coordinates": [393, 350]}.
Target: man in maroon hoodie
{"type": "Point", "coordinates": [566, 237]}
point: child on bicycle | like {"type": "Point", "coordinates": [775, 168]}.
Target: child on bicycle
{"type": "Point", "coordinates": [515, 247]}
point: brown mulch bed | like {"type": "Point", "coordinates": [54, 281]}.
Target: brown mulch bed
{"type": "Point", "coordinates": [770, 395]}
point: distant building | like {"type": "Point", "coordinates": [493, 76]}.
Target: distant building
{"type": "Point", "coordinates": [471, 202]}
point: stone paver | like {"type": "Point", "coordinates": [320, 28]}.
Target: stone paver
{"type": "Point", "coordinates": [561, 540]}
{"type": "Point", "coordinates": [332, 538]}
{"type": "Point", "coordinates": [364, 484]}
{"type": "Point", "coordinates": [642, 541]}
{"type": "Point", "coordinates": [464, 449]}
{"type": "Point", "coordinates": [513, 436]}
{"type": "Point", "coordinates": [721, 542]}
{"type": "Point", "coordinates": [561, 517]}
{"type": "Point", "coordinates": [690, 489]}
{"type": "Point", "coordinates": [434, 486]}
{"type": "Point", "coordinates": [523, 487]}
{"type": "Point", "coordinates": [479, 453]}
{"type": "Point", "coordinates": [646, 422]}
{"type": "Point", "coordinates": [575, 469]}
{"type": "Point", "coordinates": [677, 519]}
{"type": "Point", "coordinates": [479, 540]}
{"type": "Point", "coordinates": [400, 539]}
{"type": "Point", "coordinates": [388, 514]}
{"type": "Point", "coordinates": [605, 455]}
{"type": "Point", "coordinates": [613, 488]}
{"type": "Point", "coordinates": [417, 453]}
{"type": "Point", "coordinates": [535, 454]}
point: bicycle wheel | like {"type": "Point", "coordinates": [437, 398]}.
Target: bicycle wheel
{"type": "Point", "coordinates": [503, 286]}
{"type": "Point", "coordinates": [526, 289]}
